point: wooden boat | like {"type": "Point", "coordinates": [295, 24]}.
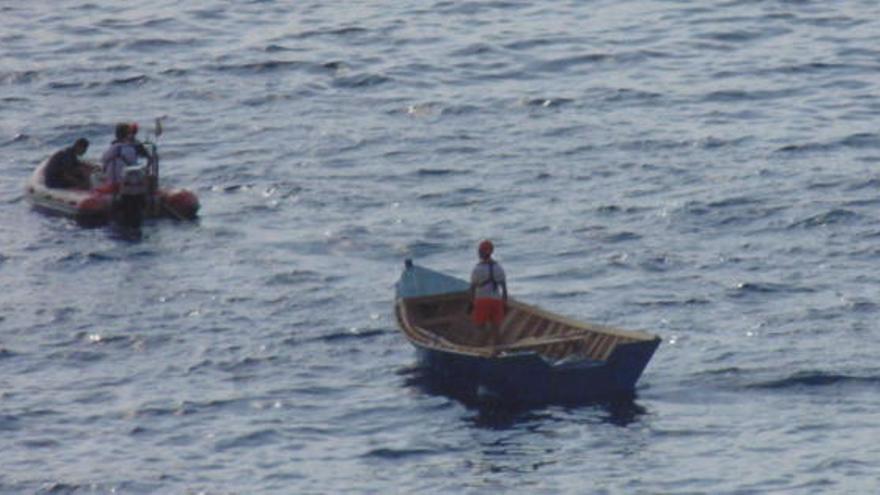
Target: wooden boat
{"type": "Point", "coordinates": [539, 357]}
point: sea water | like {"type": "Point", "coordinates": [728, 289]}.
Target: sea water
{"type": "Point", "coordinates": [707, 171]}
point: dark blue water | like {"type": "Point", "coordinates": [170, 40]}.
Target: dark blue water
{"type": "Point", "coordinates": [704, 170]}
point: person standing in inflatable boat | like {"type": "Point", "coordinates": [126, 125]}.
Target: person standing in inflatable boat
{"type": "Point", "coordinates": [488, 293]}
{"type": "Point", "coordinates": [122, 153]}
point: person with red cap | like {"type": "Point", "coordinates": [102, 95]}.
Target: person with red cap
{"type": "Point", "coordinates": [488, 293]}
{"type": "Point", "coordinates": [122, 154]}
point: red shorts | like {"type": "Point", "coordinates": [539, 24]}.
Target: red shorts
{"type": "Point", "coordinates": [488, 310]}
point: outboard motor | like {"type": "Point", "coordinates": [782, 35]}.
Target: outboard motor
{"type": "Point", "coordinates": [132, 197]}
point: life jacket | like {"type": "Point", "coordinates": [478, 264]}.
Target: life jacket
{"type": "Point", "coordinates": [491, 279]}
{"type": "Point", "coordinates": [122, 171]}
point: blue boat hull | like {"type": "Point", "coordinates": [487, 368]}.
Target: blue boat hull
{"type": "Point", "coordinates": [528, 379]}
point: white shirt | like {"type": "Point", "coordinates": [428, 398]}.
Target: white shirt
{"type": "Point", "coordinates": [482, 278]}
{"type": "Point", "coordinates": [116, 158]}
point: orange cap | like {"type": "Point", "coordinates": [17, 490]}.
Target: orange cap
{"type": "Point", "coordinates": [486, 248]}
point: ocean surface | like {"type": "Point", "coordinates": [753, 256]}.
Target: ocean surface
{"type": "Point", "coordinates": [708, 171]}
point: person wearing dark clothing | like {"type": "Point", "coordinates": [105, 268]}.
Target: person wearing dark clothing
{"type": "Point", "coordinates": [66, 170]}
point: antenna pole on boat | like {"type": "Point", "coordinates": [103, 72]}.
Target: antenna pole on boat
{"type": "Point", "coordinates": [153, 169]}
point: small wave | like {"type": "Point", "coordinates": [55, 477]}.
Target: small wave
{"type": "Point", "coordinates": [397, 454]}
{"type": "Point", "coordinates": [568, 294]}
{"type": "Point", "coordinates": [473, 49]}
{"type": "Point", "coordinates": [64, 85]}
{"type": "Point", "coordinates": [256, 439]}
{"type": "Point", "coordinates": [20, 138]}
{"type": "Point", "coordinates": [97, 339]}
{"type": "Point", "coordinates": [423, 249]}
{"type": "Point", "coordinates": [360, 81]}
{"type": "Point", "coordinates": [626, 95]}
{"type": "Point", "coordinates": [872, 184]}
{"type": "Point", "coordinates": [458, 150]}
{"type": "Point", "coordinates": [472, 7]}
{"type": "Point", "coordinates": [617, 209]}
{"type": "Point", "coordinates": [836, 216]}
{"type": "Point", "coordinates": [263, 67]}
{"type": "Point", "coordinates": [671, 303]}
{"type": "Point", "coordinates": [246, 363]}
{"type": "Point", "coordinates": [566, 63]}
{"type": "Point", "coordinates": [338, 32]}
{"type": "Point", "coordinates": [9, 422]}
{"type": "Point", "coordinates": [729, 96]}
{"type": "Point", "coordinates": [138, 80]}
{"type": "Point", "coordinates": [234, 188]}
{"type": "Point", "coordinates": [460, 110]}
{"type": "Point", "coordinates": [78, 356]}
{"type": "Point", "coordinates": [745, 288]}
{"type": "Point", "coordinates": [711, 142]}
{"type": "Point", "coordinates": [810, 68]}
{"type": "Point", "coordinates": [63, 488]}
{"type": "Point", "coordinates": [742, 35]}
{"type": "Point", "coordinates": [294, 277]}
{"type": "Point", "coordinates": [659, 263]}
{"type": "Point", "coordinates": [863, 306]}
{"type": "Point", "coordinates": [355, 334]}
{"type": "Point", "coordinates": [175, 72]}
{"type": "Point", "coordinates": [861, 140]}
{"type": "Point", "coordinates": [733, 202]}
{"type": "Point", "coordinates": [622, 237]}
{"type": "Point", "coordinates": [654, 145]}
{"type": "Point", "coordinates": [18, 77]}
{"type": "Point", "coordinates": [40, 443]}
{"type": "Point", "coordinates": [546, 102]}
{"type": "Point", "coordinates": [150, 44]}
{"type": "Point", "coordinates": [539, 42]}
{"type": "Point", "coordinates": [416, 110]}
{"type": "Point", "coordinates": [334, 65]}
{"type": "Point", "coordinates": [804, 148]}
{"type": "Point", "coordinates": [824, 184]}
{"type": "Point", "coordinates": [60, 488]}
{"type": "Point", "coordinates": [816, 379]}
{"type": "Point", "coordinates": [438, 172]}
{"type": "Point", "coordinates": [275, 48]}
{"type": "Point", "coordinates": [14, 99]}
{"type": "Point", "coordinates": [837, 21]}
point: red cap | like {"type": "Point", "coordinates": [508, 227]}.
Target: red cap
{"type": "Point", "coordinates": [133, 128]}
{"type": "Point", "coordinates": [486, 248]}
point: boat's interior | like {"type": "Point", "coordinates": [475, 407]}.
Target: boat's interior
{"type": "Point", "coordinates": [443, 320]}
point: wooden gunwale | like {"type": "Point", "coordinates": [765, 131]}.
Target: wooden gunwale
{"type": "Point", "coordinates": [527, 328]}
{"type": "Point", "coordinates": [534, 311]}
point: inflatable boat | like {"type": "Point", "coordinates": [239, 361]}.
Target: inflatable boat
{"type": "Point", "coordinates": [95, 206]}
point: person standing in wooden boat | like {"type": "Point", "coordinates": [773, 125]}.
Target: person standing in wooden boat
{"type": "Point", "coordinates": [488, 293]}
